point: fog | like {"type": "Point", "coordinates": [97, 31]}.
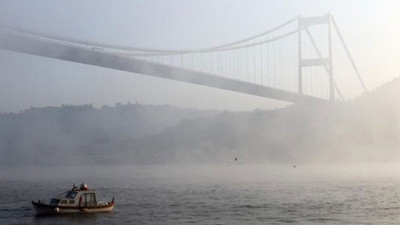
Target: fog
{"type": "Point", "coordinates": [178, 25]}
{"type": "Point", "coordinates": [364, 130]}
{"type": "Point", "coordinates": [200, 112]}
{"type": "Point", "coordinates": [75, 127]}
{"type": "Point", "coordinates": [228, 174]}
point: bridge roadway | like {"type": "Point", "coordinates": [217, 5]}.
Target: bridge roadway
{"type": "Point", "coordinates": [42, 47]}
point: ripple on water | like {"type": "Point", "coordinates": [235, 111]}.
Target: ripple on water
{"type": "Point", "coordinates": [147, 200]}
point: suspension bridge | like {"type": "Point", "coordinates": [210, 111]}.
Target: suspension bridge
{"type": "Point", "coordinates": [291, 62]}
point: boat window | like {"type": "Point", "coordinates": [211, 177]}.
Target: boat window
{"type": "Point", "coordinates": [70, 194]}
{"type": "Point", "coordinates": [54, 201]}
{"type": "Point", "coordinates": [71, 201]}
{"type": "Point", "coordinates": [63, 202]}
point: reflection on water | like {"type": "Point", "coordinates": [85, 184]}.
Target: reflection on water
{"type": "Point", "coordinates": [72, 218]}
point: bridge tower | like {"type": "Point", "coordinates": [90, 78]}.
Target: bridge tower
{"type": "Point", "coordinates": [304, 23]}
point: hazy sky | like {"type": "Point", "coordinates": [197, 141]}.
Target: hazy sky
{"type": "Point", "coordinates": [371, 29]}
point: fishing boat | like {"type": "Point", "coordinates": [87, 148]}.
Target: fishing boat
{"type": "Point", "coordinates": [77, 200]}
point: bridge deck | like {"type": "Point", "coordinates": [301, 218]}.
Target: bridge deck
{"type": "Point", "coordinates": [42, 47]}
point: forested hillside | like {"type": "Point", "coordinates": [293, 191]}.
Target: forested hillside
{"type": "Point", "coordinates": [365, 129]}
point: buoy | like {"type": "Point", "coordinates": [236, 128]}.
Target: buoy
{"type": "Point", "coordinates": [56, 209]}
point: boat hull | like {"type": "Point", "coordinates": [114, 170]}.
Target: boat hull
{"type": "Point", "coordinates": [43, 209]}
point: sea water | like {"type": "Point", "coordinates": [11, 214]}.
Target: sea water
{"type": "Point", "coordinates": [212, 194]}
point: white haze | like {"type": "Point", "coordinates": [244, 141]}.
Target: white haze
{"type": "Point", "coordinates": [368, 27]}
{"type": "Point", "coordinates": [229, 173]}
{"type": "Point", "coordinates": [364, 130]}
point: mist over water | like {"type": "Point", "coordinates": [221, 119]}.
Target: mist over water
{"type": "Point", "coordinates": [304, 163]}
{"type": "Point", "coordinates": [228, 173]}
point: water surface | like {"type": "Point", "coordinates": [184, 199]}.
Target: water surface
{"type": "Point", "coordinates": [212, 194]}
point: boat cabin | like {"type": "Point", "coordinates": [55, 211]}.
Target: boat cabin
{"type": "Point", "coordinates": [81, 197]}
